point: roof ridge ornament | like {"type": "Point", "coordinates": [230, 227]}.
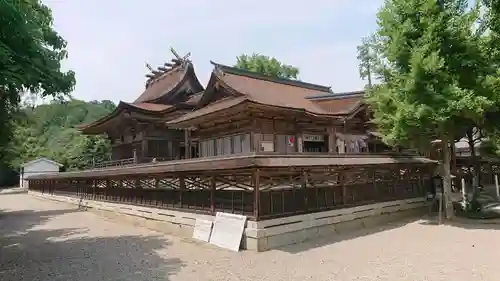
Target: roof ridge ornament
{"type": "Point", "coordinates": [175, 63]}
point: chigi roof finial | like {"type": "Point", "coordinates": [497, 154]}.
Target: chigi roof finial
{"type": "Point", "coordinates": [166, 67]}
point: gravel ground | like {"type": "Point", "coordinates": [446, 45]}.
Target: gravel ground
{"type": "Point", "coordinates": [49, 241]}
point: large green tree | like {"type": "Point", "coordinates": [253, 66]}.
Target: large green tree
{"type": "Point", "coordinates": [267, 66]}
{"type": "Point", "coordinates": [489, 28]}
{"type": "Point", "coordinates": [432, 84]}
{"type": "Point", "coordinates": [31, 52]}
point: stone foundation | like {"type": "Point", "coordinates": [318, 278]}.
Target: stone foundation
{"type": "Point", "coordinates": [261, 235]}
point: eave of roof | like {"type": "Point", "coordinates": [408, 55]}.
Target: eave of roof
{"type": "Point", "coordinates": [231, 162]}
{"type": "Point", "coordinates": [145, 108]}
{"type": "Point", "coordinates": [220, 105]}
{"type": "Point", "coordinates": [342, 95]}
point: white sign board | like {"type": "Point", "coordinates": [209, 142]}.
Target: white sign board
{"type": "Point", "coordinates": [202, 230]}
{"type": "Point", "coordinates": [228, 230]}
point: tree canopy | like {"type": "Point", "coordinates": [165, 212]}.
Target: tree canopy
{"type": "Point", "coordinates": [48, 130]}
{"type": "Point", "coordinates": [433, 76]}
{"type": "Point", "coordinates": [31, 52]}
{"type": "Point", "coordinates": [267, 66]}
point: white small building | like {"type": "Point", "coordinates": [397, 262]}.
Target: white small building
{"type": "Point", "coordinates": [37, 167]}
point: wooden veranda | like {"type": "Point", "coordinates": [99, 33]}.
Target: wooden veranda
{"type": "Point", "coordinates": [258, 185]}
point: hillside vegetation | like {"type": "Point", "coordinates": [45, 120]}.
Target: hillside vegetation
{"type": "Point", "coordinates": [48, 130]}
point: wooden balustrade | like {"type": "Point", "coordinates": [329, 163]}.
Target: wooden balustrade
{"type": "Point", "coordinates": [259, 193]}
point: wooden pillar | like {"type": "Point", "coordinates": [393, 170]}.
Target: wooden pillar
{"type": "Point", "coordinates": [254, 145]}
{"type": "Point", "coordinates": [299, 139]}
{"type": "Point", "coordinates": [106, 189]}
{"type": "Point", "coordinates": [344, 188]}
{"type": "Point", "coordinates": [144, 148]}
{"type": "Point", "coordinates": [135, 155]}
{"type": "Point", "coordinates": [304, 185]}
{"type": "Point", "coordinates": [275, 137]}
{"type": "Point", "coordinates": [256, 186]}
{"type": "Point", "coordinates": [212, 194]}
{"type": "Point", "coordinates": [187, 144]}
{"type": "Point", "coordinates": [332, 140]}
{"type": "Point", "coordinates": [182, 186]}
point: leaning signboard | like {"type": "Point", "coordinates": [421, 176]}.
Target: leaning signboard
{"type": "Point", "coordinates": [202, 230]}
{"type": "Point", "coordinates": [228, 231]}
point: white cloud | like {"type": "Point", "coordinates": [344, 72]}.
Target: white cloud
{"type": "Point", "coordinates": [109, 41]}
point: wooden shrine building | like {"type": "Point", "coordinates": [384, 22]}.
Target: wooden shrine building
{"type": "Point", "coordinates": [138, 128]}
{"type": "Point", "coordinates": [238, 112]}
{"type": "Point", "coordinates": [268, 148]}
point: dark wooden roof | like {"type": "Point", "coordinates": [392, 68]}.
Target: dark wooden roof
{"type": "Point", "coordinates": [249, 87]}
{"type": "Point", "coordinates": [340, 103]}
{"type": "Point", "coordinates": [99, 125]}
{"type": "Point", "coordinates": [253, 160]}
{"type": "Point", "coordinates": [176, 88]}
{"type": "Point", "coordinates": [160, 88]}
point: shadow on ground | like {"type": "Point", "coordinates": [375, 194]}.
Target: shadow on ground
{"type": "Point", "coordinates": [30, 252]}
{"type": "Point", "coordinates": [339, 237]}
{"type": "Point", "coordinates": [492, 224]}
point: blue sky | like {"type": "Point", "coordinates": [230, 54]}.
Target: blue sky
{"type": "Point", "coordinates": [110, 41]}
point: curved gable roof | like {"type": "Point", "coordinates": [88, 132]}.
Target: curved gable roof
{"type": "Point", "coordinates": [169, 82]}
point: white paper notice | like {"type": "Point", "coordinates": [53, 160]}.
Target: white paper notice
{"type": "Point", "coordinates": [202, 230]}
{"type": "Point", "coordinates": [228, 231]}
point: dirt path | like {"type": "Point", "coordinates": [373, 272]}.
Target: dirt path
{"type": "Point", "coordinates": [48, 241]}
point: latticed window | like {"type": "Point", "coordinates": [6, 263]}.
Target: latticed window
{"type": "Point", "coordinates": [219, 146]}
{"type": "Point", "coordinates": [245, 143]}
{"type": "Point", "coordinates": [211, 148]}
{"type": "Point", "coordinates": [237, 145]}
{"type": "Point", "coordinates": [226, 145]}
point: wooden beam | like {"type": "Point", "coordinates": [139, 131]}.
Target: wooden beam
{"type": "Point", "coordinates": [332, 140]}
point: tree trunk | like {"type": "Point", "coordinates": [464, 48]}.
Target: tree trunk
{"type": "Point", "coordinates": [476, 178]}
{"type": "Point", "coordinates": [448, 204]}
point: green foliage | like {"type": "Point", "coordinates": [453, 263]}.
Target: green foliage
{"type": "Point", "coordinates": [431, 69]}
{"type": "Point", "coordinates": [436, 78]}
{"type": "Point", "coordinates": [49, 130]}
{"type": "Point", "coordinates": [267, 66]}
{"type": "Point", "coordinates": [490, 42]}
{"type": "Point", "coordinates": [31, 52]}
